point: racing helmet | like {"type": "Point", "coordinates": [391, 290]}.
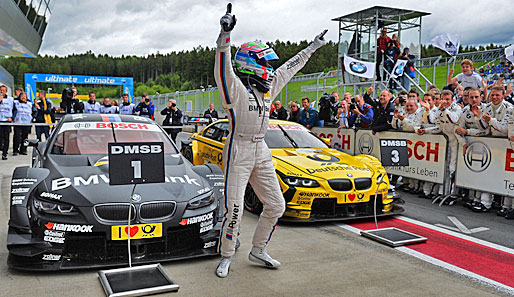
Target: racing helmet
{"type": "Point", "coordinates": [251, 64]}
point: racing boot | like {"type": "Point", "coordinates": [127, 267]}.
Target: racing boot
{"type": "Point", "coordinates": [260, 256]}
{"type": "Point", "coordinates": [223, 267]}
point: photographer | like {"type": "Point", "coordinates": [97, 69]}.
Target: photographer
{"type": "Point", "coordinates": [145, 107]}
{"type": "Point", "coordinates": [328, 105]}
{"type": "Point", "coordinates": [173, 117]}
{"type": "Point", "coordinates": [362, 113]}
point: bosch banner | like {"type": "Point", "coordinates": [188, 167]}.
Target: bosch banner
{"type": "Point", "coordinates": [427, 153]}
{"type": "Point", "coordinates": [487, 165]}
{"type": "Point", "coordinates": [32, 78]}
{"type": "Point", "coordinates": [344, 140]}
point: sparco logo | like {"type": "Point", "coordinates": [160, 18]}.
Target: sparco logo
{"type": "Point", "coordinates": [477, 157]}
{"type": "Point", "coordinates": [358, 67]}
{"type": "Point", "coordinates": [198, 219]}
{"type": "Point", "coordinates": [66, 227]}
{"type": "Point", "coordinates": [366, 144]}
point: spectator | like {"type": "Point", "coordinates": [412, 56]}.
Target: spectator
{"type": "Point", "coordinates": [400, 101]}
{"type": "Point", "coordinates": [390, 56]}
{"type": "Point", "coordinates": [408, 70]}
{"type": "Point", "coordinates": [173, 117]}
{"type": "Point", "coordinates": [383, 110]}
{"type": "Point", "coordinates": [115, 103]}
{"type": "Point", "coordinates": [428, 113]}
{"type": "Point", "coordinates": [145, 107]}
{"type": "Point", "coordinates": [362, 114]}
{"type": "Point", "coordinates": [336, 96]}
{"type": "Point", "coordinates": [280, 112]}
{"type": "Point", "coordinates": [126, 107]}
{"type": "Point", "coordinates": [76, 105]}
{"type": "Point", "coordinates": [382, 42]}
{"type": "Point", "coordinates": [309, 115]}
{"type": "Point", "coordinates": [23, 115]}
{"type": "Point", "coordinates": [471, 124]}
{"type": "Point", "coordinates": [294, 114]}
{"type": "Point", "coordinates": [468, 77]}
{"type": "Point", "coordinates": [445, 121]}
{"type": "Point", "coordinates": [452, 85]}
{"type": "Point", "coordinates": [348, 97]}
{"type": "Point", "coordinates": [497, 115]}
{"type": "Point", "coordinates": [211, 112]}
{"type": "Point", "coordinates": [91, 106]}
{"type": "Point", "coordinates": [6, 116]}
{"type": "Point", "coordinates": [343, 115]}
{"type": "Point", "coordinates": [107, 107]}
{"type": "Point", "coordinates": [43, 115]}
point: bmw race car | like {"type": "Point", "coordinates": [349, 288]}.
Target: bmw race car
{"type": "Point", "coordinates": [317, 182]}
{"type": "Point", "coordinates": [64, 214]}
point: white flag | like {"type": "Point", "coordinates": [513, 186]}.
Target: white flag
{"type": "Point", "coordinates": [399, 68]}
{"type": "Point", "coordinates": [359, 68]}
{"type": "Point", "coordinates": [447, 42]}
{"type": "Point", "coordinates": [509, 53]}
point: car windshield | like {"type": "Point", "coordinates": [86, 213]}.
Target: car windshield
{"type": "Point", "coordinates": [85, 138]}
{"type": "Point", "coordinates": [300, 136]}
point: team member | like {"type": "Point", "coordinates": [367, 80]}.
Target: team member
{"type": "Point", "coordinates": [24, 114]}
{"type": "Point", "coordinates": [107, 107]}
{"type": "Point", "coordinates": [173, 117]}
{"type": "Point", "coordinates": [471, 124]}
{"type": "Point", "coordinates": [43, 115]}
{"type": "Point", "coordinates": [91, 106]}
{"type": "Point", "coordinates": [211, 112]}
{"type": "Point", "coordinates": [6, 116]}
{"type": "Point", "coordinates": [126, 107]}
{"type": "Point", "coordinates": [145, 107]}
{"type": "Point", "coordinates": [445, 121]}
{"type": "Point", "coordinates": [246, 97]}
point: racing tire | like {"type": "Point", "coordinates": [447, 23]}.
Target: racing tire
{"type": "Point", "coordinates": [188, 153]}
{"type": "Point", "coordinates": [252, 202]}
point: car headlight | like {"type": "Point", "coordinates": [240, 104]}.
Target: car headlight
{"type": "Point", "coordinates": [53, 207]}
{"type": "Point", "coordinates": [300, 182]}
{"type": "Point", "coordinates": [201, 201]}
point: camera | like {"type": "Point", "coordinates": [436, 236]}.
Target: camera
{"type": "Point", "coordinates": [327, 108]}
{"type": "Point", "coordinates": [402, 99]}
{"type": "Point", "coordinates": [173, 104]}
{"type": "Point", "coordinates": [353, 106]}
{"type": "Point", "coordinates": [147, 100]}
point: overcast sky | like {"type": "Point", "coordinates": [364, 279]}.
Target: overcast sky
{"type": "Point", "coordinates": [142, 27]}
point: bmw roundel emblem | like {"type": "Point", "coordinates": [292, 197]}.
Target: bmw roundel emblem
{"type": "Point", "coordinates": [349, 175]}
{"type": "Point", "coordinates": [136, 197]}
{"type": "Point", "coordinates": [358, 67]}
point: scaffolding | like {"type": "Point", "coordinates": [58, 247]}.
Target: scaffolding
{"type": "Point", "coordinates": [358, 34]}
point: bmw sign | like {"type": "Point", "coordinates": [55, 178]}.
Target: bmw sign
{"type": "Point", "coordinates": [358, 67]}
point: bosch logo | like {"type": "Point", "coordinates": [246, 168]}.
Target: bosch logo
{"type": "Point", "coordinates": [365, 144]}
{"type": "Point", "coordinates": [477, 157]}
{"type": "Point", "coordinates": [82, 125]}
{"type": "Point", "coordinates": [323, 158]}
{"type": "Point", "coordinates": [358, 67]}
{"type": "Point", "coordinates": [136, 197]}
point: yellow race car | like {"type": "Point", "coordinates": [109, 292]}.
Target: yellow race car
{"type": "Point", "coordinates": [318, 183]}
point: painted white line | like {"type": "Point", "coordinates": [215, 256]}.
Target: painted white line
{"type": "Point", "coordinates": [481, 279]}
{"type": "Point", "coordinates": [459, 235]}
{"type": "Point", "coordinates": [459, 225]}
{"type": "Point", "coordinates": [478, 229]}
{"type": "Point", "coordinates": [448, 227]}
{"type": "Point", "coordinates": [498, 286]}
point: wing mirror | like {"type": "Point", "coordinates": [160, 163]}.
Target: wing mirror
{"type": "Point", "coordinates": [223, 139]}
{"type": "Point", "coordinates": [326, 140]}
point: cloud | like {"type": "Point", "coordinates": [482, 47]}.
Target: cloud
{"type": "Point", "coordinates": [123, 27]}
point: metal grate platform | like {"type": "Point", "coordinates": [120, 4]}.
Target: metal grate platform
{"type": "Point", "coordinates": [393, 237]}
{"type": "Point", "coordinates": [137, 281]}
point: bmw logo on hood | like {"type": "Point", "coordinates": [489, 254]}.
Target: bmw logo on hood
{"type": "Point", "coordinates": [136, 197]}
{"type": "Point", "coordinates": [358, 67]}
{"type": "Point", "coordinates": [349, 175]}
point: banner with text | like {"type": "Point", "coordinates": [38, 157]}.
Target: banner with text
{"type": "Point", "coordinates": [427, 153]}
{"type": "Point", "coordinates": [487, 165]}
{"type": "Point", "coordinates": [344, 140]}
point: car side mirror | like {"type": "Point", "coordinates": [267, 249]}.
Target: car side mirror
{"type": "Point", "coordinates": [223, 139]}
{"type": "Point", "coordinates": [326, 140]}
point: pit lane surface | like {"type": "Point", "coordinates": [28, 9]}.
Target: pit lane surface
{"type": "Point", "coordinates": [321, 259]}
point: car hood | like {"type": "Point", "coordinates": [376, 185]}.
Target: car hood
{"type": "Point", "coordinates": [323, 163]}
{"type": "Point", "coordinates": [89, 184]}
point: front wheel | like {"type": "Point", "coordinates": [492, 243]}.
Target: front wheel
{"type": "Point", "coordinates": [188, 153]}
{"type": "Point", "coordinates": [252, 202]}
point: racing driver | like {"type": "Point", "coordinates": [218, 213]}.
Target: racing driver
{"type": "Point", "coordinates": [246, 93]}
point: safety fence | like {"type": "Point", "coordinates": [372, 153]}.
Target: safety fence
{"type": "Point", "coordinates": [487, 165]}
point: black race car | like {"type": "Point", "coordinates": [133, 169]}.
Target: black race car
{"type": "Point", "coordinates": [64, 214]}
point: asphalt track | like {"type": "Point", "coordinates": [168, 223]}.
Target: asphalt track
{"type": "Point", "coordinates": [322, 259]}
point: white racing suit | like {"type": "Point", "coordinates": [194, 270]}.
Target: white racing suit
{"type": "Point", "coordinates": [445, 121]}
{"type": "Point", "coordinates": [427, 121]}
{"type": "Point", "coordinates": [475, 127]}
{"type": "Point", "coordinates": [408, 124]}
{"type": "Point", "coordinates": [246, 157]}
{"type": "Point", "coordinates": [500, 117]}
